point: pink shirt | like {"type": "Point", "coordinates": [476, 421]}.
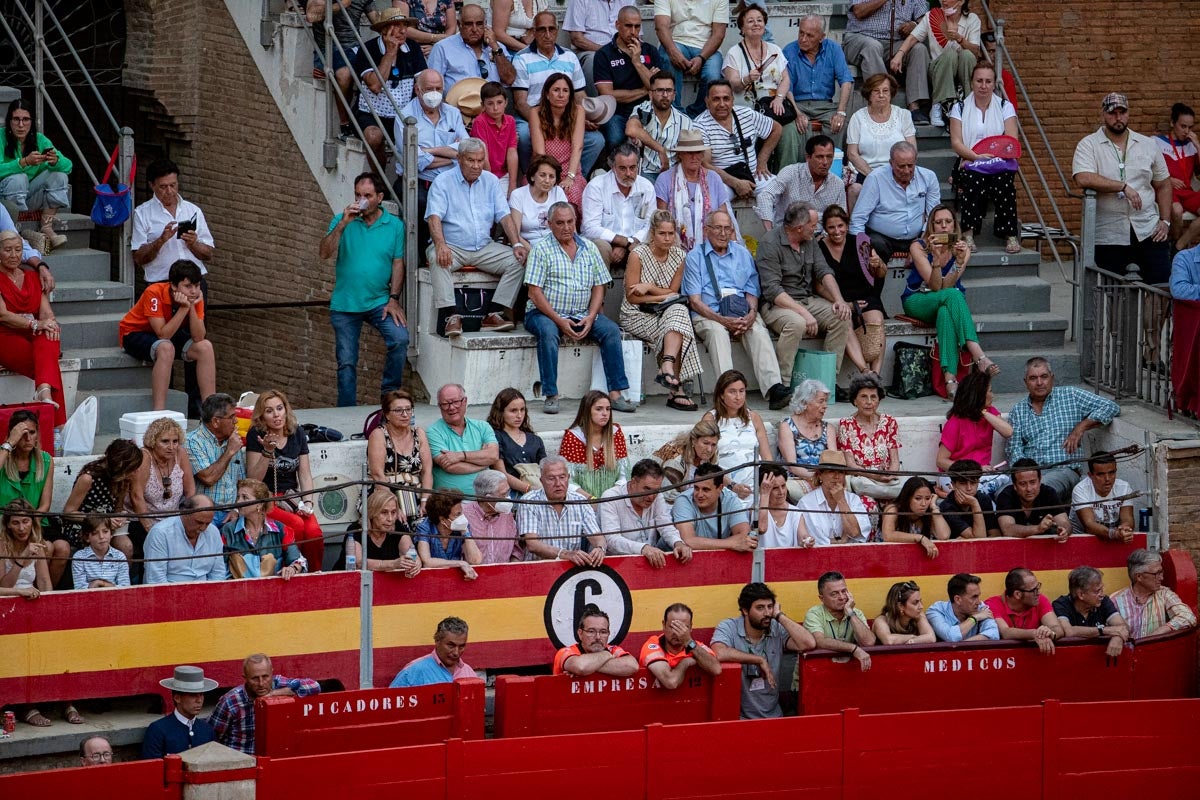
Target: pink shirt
{"type": "Point", "coordinates": [497, 139]}
{"type": "Point", "coordinates": [967, 439]}
{"type": "Point", "coordinates": [1029, 620]}
{"type": "Point", "coordinates": [495, 536]}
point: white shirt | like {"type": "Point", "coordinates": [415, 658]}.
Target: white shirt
{"type": "Point", "coordinates": [652, 527]}
{"type": "Point", "coordinates": [595, 19]}
{"type": "Point", "coordinates": [533, 213]}
{"type": "Point", "coordinates": [875, 139]}
{"type": "Point", "coordinates": [1143, 164]}
{"type": "Point", "coordinates": [150, 218]}
{"type": "Point", "coordinates": [785, 536]}
{"type": "Point", "coordinates": [692, 20]}
{"type": "Point", "coordinates": [825, 527]}
{"type": "Point", "coordinates": [607, 213]}
{"type": "Point", "coordinates": [1106, 509]}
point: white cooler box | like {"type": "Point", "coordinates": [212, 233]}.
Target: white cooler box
{"type": "Point", "coordinates": [134, 424]}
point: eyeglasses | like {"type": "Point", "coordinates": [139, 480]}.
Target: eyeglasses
{"type": "Point", "coordinates": [101, 758]}
{"type": "Point", "coordinates": [1033, 589]}
{"type": "Point", "coordinates": [720, 228]}
{"type": "Point", "coordinates": [1155, 574]}
{"type": "Point", "coordinates": [452, 403]}
{"type": "Point", "coordinates": [471, 24]}
{"type": "Point", "coordinates": [596, 631]}
{"type": "Point", "coordinates": [166, 484]}
{"type": "Point", "coordinates": [407, 411]}
{"type": "Point", "coordinates": [227, 417]}
{"type": "Point", "coordinates": [483, 67]}
{"type": "Point", "coordinates": [22, 120]}
{"type": "Point", "coordinates": [545, 29]}
{"type": "Point", "coordinates": [663, 91]}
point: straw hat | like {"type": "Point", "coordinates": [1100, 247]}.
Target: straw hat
{"type": "Point", "coordinates": [599, 110]}
{"type": "Point", "coordinates": [831, 460]}
{"type": "Point", "coordinates": [464, 95]}
{"type": "Point", "coordinates": [390, 16]}
{"type": "Point", "coordinates": [690, 141]}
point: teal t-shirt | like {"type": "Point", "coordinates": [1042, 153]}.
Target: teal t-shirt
{"type": "Point", "coordinates": [442, 438]}
{"type": "Point", "coordinates": [363, 273]}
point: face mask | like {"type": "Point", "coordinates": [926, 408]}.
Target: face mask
{"type": "Point", "coordinates": [431, 99]}
{"type": "Point", "coordinates": [459, 523]}
{"type": "Point", "coordinates": [503, 507]}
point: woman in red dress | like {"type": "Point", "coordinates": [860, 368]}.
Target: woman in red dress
{"type": "Point", "coordinates": [556, 129]}
{"type": "Point", "coordinates": [29, 334]}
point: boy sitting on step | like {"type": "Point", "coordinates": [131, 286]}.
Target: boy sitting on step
{"type": "Point", "coordinates": [168, 323]}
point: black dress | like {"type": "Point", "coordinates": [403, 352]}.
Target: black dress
{"type": "Point", "coordinates": [851, 281]}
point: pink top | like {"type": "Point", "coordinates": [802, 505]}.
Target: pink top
{"type": "Point", "coordinates": [497, 139]}
{"type": "Point", "coordinates": [1028, 620]}
{"type": "Point", "coordinates": [495, 536]}
{"type": "Point", "coordinates": [871, 452]}
{"type": "Point", "coordinates": [967, 439]}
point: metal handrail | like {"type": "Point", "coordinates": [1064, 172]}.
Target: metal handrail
{"type": "Point", "coordinates": [87, 76]}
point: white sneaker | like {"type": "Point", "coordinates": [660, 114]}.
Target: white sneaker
{"type": "Point", "coordinates": [935, 116]}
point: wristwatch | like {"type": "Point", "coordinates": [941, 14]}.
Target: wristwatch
{"type": "Point", "coordinates": [395, 297]}
{"type": "Point", "coordinates": [690, 646]}
{"type": "Point", "coordinates": [6, 447]}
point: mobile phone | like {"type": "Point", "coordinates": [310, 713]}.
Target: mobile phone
{"type": "Point", "coordinates": [48, 150]}
{"type": "Point", "coordinates": [184, 227]}
{"type": "Point", "coordinates": [948, 239]}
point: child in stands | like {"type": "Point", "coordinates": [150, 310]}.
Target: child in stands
{"type": "Point", "coordinates": [499, 132]}
{"type": "Point", "coordinates": [168, 323]}
{"type": "Point", "coordinates": [99, 565]}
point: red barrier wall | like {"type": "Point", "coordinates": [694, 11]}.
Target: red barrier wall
{"type": "Point", "coordinates": [369, 719]}
{"type": "Point", "coordinates": [145, 780]}
{"type": "Point", "coordinates": [559, 704]}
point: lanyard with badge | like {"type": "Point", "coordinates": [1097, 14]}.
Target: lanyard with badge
{"type": "Point", "coordinates": [1121, 156]}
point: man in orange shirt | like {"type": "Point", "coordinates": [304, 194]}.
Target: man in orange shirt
{"type": "Point", "coordinates": [168, 323]}
{"type": "Point", "coordinates": [593, 654]}
{"type": "Point", "coordinates": [670, 655]}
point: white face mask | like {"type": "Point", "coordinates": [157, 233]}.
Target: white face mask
{"type": "Point", "coordinates": [459, 523]}
{"type": "Point", "coordinates": [503, 507]}
{"type": "Point", "coordinates": [431, 99]}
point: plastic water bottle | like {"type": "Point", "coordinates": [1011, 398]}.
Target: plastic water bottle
{"type": "Point", "coordinates": [351, 562]}
{"type": "Point", "coordinates": [412, 553]}
{"type": "Point", "coordinates": [839, 157]}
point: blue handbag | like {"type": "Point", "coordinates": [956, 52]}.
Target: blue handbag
{"type": "Point", "coordinates": [113, 206]}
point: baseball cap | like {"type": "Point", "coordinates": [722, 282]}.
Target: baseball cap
{"type": "Point", "coordinates": [1113, 101]}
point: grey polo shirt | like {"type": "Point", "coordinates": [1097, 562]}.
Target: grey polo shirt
{"type": "Point", "coordinates": [759, 700]}
{"type": "Point", "coordinates": [782, 269]}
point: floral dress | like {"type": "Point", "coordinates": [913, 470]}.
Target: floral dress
{"type": "Point", "coordinates": [590, 474]}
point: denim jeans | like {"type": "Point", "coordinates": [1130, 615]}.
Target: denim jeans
{"type": "Point", "coordinates": [593, 143]}
{"type": "Point", "coordinates": [614, 129]}
{"type": "Point", "coordinates": [604, 331]}
{"type": "Point", "coordinates": [710, 72]}
{"type": "Point", "coordinates": [346, 329]}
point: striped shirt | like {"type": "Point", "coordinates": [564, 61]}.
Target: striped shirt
{"type": "Point", "coordinates": [87, 567]}
{"type": "Point", "coordinates": [567, 283]}
{"type": "Point", "coordinates": [726, 150]}
{"type": "Point", "coordinates": [1163, 608]}
{"type": "Point", "coordinates": [564, 529]}
{"type": "Point", "coordinates": [1040, 436]}
{"type": "Point", "coordinates": [879, 25]}
{"type": "Point", "coordinates": [533, 69]}
{"type": "Point", "coordinates": [665, 134]}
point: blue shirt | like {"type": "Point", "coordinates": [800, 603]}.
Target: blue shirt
{"type": "Point", "coordinates": [362, 275]}
{"type": "Point", "coordinates": [945, 624]}
{"type": "Point", "coordinates": [533, 69]}
{"type": "Point", "coordinates": [820, 79]}
{"type": "Point", "coordinates": [1040, 436]}
{"type": "Point", "coordinates": [716, 524]}
{"type": "Point", "coordinates": [899, 212]}
{"type": "Point", "coordinates": [454, 60]}
{"type": "Point", "coordinates": [734, 270]}
{"type": "Point", "coordinates": [429, 535]}
{"type": "Point", "coordinates": [7, 224]}
{"type": "Point", "coordinates": [1185, 275]}
{"type": "Point", "coordinates": [166, 540]}
{"type": "Point", "coordinates": [476, 207]}
{"type": "Point", "coordinates": [448, 132]}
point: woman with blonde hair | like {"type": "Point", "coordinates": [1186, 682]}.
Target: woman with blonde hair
{"type": "Point", "coordinates": [387, 550]}
{"type": "Point", "coordinates": [595, 447]}
{"type": "Point", "coordinates": [653, 276]}
{"type": "Point", "coordinates": [277, 455]}
{"type": "Point", "coordinates": [743, 435]}
{"type": "Point", "coordinates": [902, 619]}
{"type": "Point", "coordinates": [255, 545]}
{"type": "Point", "coordinates": [164, 478]}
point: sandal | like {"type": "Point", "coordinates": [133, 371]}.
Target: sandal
{"type": "Point", "coordinates": [72, 716]}
{"type": "Point", "coordinates": [44, 395]}
{"type": "Point", "coordinates": [666, 379]}
{"type": "Point", "coordinates": [681, 402]}
{"type": "Point", "coordinates": [34, 717]}
{"type": "Point", "coordinates": [1012, 245]}
{"type": "Point", "coordinates": [969, 238]}
{"type": "Point", "coordinates": [951, 388]}
{"type": "Point", "coordinates": [992, 369]}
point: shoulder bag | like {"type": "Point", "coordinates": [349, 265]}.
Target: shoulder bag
{"type": "Point", "coordinates": [733, 306]}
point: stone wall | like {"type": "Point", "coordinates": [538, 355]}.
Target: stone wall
{"type": "Point", "coordinates": [1178, 467]}
{"type": "Point", "coordinates": [1073, 52]}
{"type": "Point", "coordinates": [239, 162]}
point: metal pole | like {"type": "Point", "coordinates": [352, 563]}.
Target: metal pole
{"type": "Point", "coordinates": [39, 76]}
{"type": "Point", "coordinates": [366, 596]}
{"type": "Point", "coordinates": [1086, 285]}
{"type": "Point", "coordinates": [125, 159]}
{"type": "Point", "coordinates": [331, 117]}
{"type": "Point", "coordinates": [1000, 56]}
{"type": "Point", "coordinates": [410, 216]}
{"type": "Point", "coordinates": [757, 565]}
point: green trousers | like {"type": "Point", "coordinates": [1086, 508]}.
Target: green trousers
{"type": "Point", "coordinates": [947, 310]}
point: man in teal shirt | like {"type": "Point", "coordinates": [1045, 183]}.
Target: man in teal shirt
{"type": "Point", "coordinates": [369, 243]}
{"type": "Point", "coordinates": [460, 447]}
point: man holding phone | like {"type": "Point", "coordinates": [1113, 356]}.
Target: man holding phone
{"type": "Point", "coordinates": [167, 228]}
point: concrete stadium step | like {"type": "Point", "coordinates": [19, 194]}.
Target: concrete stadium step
{"type": "Point", "coordinates": [94, 297]}
{"type": "Point", "coordinates": [999, 295]}
{"type": "Point", "coordinates": [109, 368]}
{"type": "Point", "coordinates": [112, 404]}
{"type": "Point", "coordinates": [80, 264]}
{"type": "Point", "coordinates": [1028, 332]}
{"type": "Point", "coordinates": [76, 227]}
{"type": "Point", "coordinates": [90, 330]}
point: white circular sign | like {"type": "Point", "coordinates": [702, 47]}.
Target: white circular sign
{"type": "Point", "coordinates": [576, 588]}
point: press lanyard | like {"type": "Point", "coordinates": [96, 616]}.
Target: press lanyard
{"type": "Point", "coordinates": [845, 637]}
{"type": "Point", "coordinates": [1121, 156]}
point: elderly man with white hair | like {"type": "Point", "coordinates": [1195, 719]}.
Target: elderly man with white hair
{"type": "Point", "coordinates": [463, 205]}
{"type": "Point", "coordinates": [552, 528]}
{"type": "Point", "coordinates": [1148, 607]}
{"type": "Point", "coordinates": [440, 128]}
{"type": "Point", "coordinates": [490, 518]}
